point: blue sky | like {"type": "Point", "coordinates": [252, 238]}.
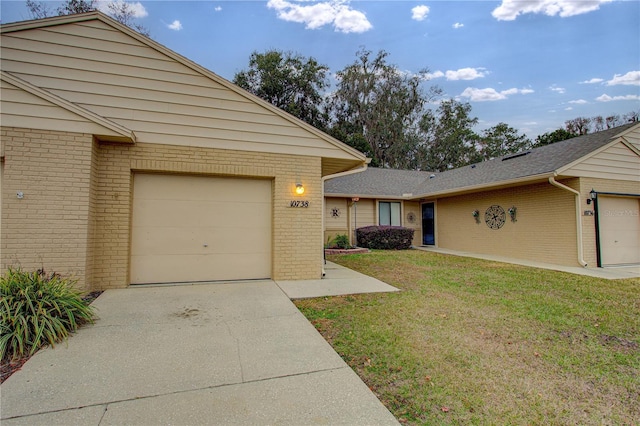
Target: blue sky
{"type": "Point", "coordinates": [531, 64]}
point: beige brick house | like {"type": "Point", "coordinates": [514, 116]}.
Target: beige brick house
{"type": "Point", "coordinates": [534, 205]}
{"type": "Point", "coordinates": [124, 162]}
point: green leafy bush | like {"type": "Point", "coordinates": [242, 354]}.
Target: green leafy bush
{"type": "Point", "coordinates": [38, 309]}
{"type": "Point", "coordinates": [385, 237]}
{"type": "Point", "coordinates": [339, 242]}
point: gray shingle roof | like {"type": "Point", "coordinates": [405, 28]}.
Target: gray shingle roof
{"type": "Point", "coordinates": [535, 162]}
{"type": "Point", "coordinates": [377, 182]}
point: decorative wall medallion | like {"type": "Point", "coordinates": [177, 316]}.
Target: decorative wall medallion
{"type": "Point", "coordinates": [495, 217]}
{"type": "Point", "coordinates": [335, 212]}
{"type": "Point", "coordinates": [411, 217]}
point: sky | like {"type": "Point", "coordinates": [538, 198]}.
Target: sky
{"type": "Point", "coordinates": [531, 64]}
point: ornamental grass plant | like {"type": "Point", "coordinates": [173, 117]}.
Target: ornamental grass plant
{"type": "Point", "coordinates": [37, 309]}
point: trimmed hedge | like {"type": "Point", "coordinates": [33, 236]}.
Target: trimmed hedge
{"type": "Point", "coordinates": [385, 237]}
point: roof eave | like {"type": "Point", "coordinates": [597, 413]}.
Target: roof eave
{"type": "Point", "coordinates": [59, 20]}
{"type": "Point", "coordinates": [482, 187]}
{"type": "Point", "coordinates": [377, 197]}
{"type": "Point", "coordinates": [614, 140]}
{"type": "Point", "coordinates": [121, 133]}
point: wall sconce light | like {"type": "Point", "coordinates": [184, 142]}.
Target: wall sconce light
{"type": "Point", "coordinates": [513, 210]}
{"type": "Point", "coordinates": [593, 195]}
{"type": "Point", "coordinates": [20, 195]}
{"type": "Point", "coordinates": [299, 189]}
{"type": "Point", "coordinates": [476, 215]}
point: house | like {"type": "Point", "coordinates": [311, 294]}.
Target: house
{"type": "Point", "coordinates": [123, 162]}
{"type": "Point", "coordinates": [575, 202]}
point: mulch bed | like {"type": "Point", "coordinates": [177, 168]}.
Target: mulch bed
{"type": "Point", "coordinates": [347, 251]}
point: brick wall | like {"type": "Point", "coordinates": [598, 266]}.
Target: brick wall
{"type": "Point", "coordinates": [50, 227]}
{"type": "Point", "coordinates": [297, 250]}
{"type": "Point", "coordinates": [76, 214]}
{"type": "Point", "coordinates": [545, 227]}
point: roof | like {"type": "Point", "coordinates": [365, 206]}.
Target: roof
{"type": "Point", "coordinates": [536, 164]}
{"type": "Point", "coordinates": [377, 183]}
{"type": "Point", "coordinates": [342, 157]}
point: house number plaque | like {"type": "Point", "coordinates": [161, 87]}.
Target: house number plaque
{"type": "Point", "coordinates": [299, 204]}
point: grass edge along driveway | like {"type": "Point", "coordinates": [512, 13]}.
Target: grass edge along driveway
{"type": "Point", "coordinates": [471, 341]}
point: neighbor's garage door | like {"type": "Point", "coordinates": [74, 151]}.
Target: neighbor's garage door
{"type": "Point", "coordinates": [193, 228]}
{"type": "Point", "coordinates": [619, 222]}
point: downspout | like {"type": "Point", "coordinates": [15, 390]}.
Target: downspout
{"type": "Point", "coordinates": [553, 182]}
{"type": "Point", "coordinates": [335, 175]}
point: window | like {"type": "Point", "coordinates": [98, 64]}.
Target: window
{"type": "Point", "coordinates": [389, 213]}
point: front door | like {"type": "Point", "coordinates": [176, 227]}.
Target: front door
{"type": "Point", "coordinates": [428, 224]}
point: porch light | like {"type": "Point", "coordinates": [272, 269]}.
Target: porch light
{"type": "Point", "coordinates": [299, 189]}
{"type": "Point", "coordinates": [593, 195]}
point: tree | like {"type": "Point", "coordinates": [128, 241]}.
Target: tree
{"type": "Point", "coordinates": [289, 81]}
{"type": "Point", "coordinates": [553, 137]}
{"type": "Point", "coordinates": [612, 121]}
{"type": "Point", "coordinates": [38, 9]}
{"type": "Point", "coordinates": [449, 139]}
{"type": "Point", "coordinates": [632, 117]}
{"type": "Point", "coordinates": [120, 10]}
{"type": "Point", "coordinates": [124, 13]}
{"type": "Point", "coordinates": [382, 105]}
{"type": "Point", "coordinates": [70, 7]}
{"type": "Point", "coordinates": [501, 140]}
{"type": "Point", "coordinates": [579, 125]}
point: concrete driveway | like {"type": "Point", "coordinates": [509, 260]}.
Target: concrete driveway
{"type": "Point", "coordinates": [236, 353]}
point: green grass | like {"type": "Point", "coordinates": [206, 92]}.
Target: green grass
{"type": "Point", "coordinates": [469, 341]}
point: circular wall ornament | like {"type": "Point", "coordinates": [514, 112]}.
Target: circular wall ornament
{"type": "Point", "coordinates": [411, 217]}
{"type": "Point", "coordinates": [495, 217]}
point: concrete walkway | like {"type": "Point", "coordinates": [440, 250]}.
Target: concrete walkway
{"type": "Point", "coordinates": [609, 273]}
{"type": "Point", "coordinates": [217, 353]}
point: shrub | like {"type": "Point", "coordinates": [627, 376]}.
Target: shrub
{"type": "Point", "coordinates": [385, 237]}
{"type": "Point", "coordinates": [37, 309]}
{"type": "Point", "coordinates": [340, 242]}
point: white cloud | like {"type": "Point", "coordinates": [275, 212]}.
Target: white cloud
{"type": "Point", "coordinates": [630, 78]}
{"type": "Point", "coordinates": [512, 91]}
{"type": "Point", "coordinates": [217, 8]}
{"type": "Point", "coordinates": [336, 12]}
{"type": "Point", "coordinates": [568, 109]}
{"type": "Point", "coordinates": [465, 74]}
{"type": "Point", "coordinates": [175, 25]}
{"type": "Point", "coordinates": [137, 9]}
{"type": "Point", "coordinates": [419, 13]}
{"type": "Point", "coordinates": [490, 94]}
{"type": "Point", "coordinates": [457, 25]}
{"type": "Point", "coordinates": [557, 89]}
{"type": "Point", "coordinates": [607, 98]}
{"type": "Point", "coordinates": [510, 9]}
{"type": "Point", "coordinates": [432, 75]}
{"type": "Point", "coordinates": [592, 81]}
{"type": "Point", "coordinates": [481, 95]}
{"type": "Point", "coordinates": [579, 102]}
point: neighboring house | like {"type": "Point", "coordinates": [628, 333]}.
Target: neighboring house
{"type": "Point", "coordinates": [123, 162]}
{"type": "Point", "coordinates": [534, 205]}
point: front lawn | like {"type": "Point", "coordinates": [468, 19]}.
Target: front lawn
{"type": "Point", "coordinates": [469, 341]}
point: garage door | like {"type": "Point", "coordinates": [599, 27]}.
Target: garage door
{"type": "Point", "coordinates": [619, 228]}
{"type": "Point", "coordinates": [193, 228]}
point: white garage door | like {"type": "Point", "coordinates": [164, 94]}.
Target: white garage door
{"type": "Point", "coordinates": [619, 222]}
{"type": "Point", "coordinates": [193, 228]}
